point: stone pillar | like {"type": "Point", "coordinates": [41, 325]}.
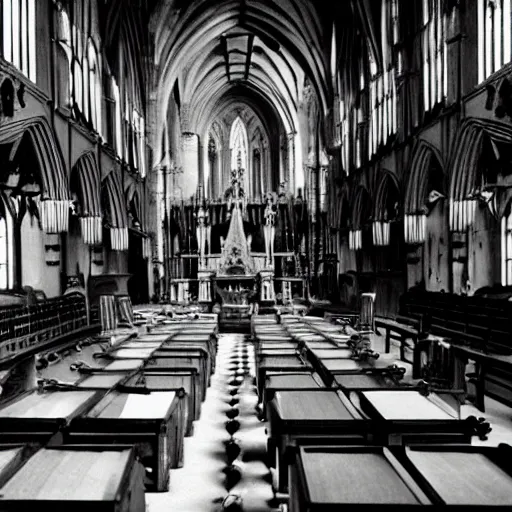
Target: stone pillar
{"type": "Point", "coordinates": [291, 162]}
{"type": "Point", "coordinates": [155, 227]}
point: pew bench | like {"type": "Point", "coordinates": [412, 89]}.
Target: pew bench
{"type": "Point", "coordinates": [397, 331]}
{"type": "Point", "coordinates": [493, 375]}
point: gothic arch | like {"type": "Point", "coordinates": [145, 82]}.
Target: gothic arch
{"type": "Point", "coordinates": [426, 175]}
{"type": "Point", "coordinates": [386, 207]}
{"type": "Point", "coordinates": [54, 204]}
{"type": "Point", "coordinates": [464, 165]}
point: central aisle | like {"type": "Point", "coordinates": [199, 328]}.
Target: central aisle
{"type": "Point", "coordinates": [200, 485]}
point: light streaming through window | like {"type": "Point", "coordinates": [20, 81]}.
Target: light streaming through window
{"type": "Point", "coordinates": [19, 35]}
{"type": "Point", "coordinates": [494, 26]}
{"type": "Point", "coordinates": [435, 84]}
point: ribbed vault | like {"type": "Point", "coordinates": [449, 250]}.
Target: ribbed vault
{"type": "Point", "coordinates": [212, 49]}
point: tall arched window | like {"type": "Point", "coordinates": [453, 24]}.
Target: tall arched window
{"type": "Point", "coordinates": [494, 35]}
{"type": "Point", "coordinates": [142, 145]}
{"type": "Point", "coordinates": [118, 119]}
{"type": "Point", "coordinates": [19, 35]}
{"type": "Point", "coordinates": [135, 126]}
{"type": "Point", "coordinates": [78, 89]}
{"type": "Point", "coordinates": [94, 87]}
{"type": "Point", "coordinates": [383, 101]}
{"type": "Point", "coordinates": [64, 59]}
{"type": "Point", "coordinates": [86, 101]}
{"type": "Point", "coordinates": [238, 144]}
{"type": "Point", "coordinates": [434, 54]}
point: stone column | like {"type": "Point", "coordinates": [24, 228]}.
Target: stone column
{"type": "Point", "coordinates": [291, 162]}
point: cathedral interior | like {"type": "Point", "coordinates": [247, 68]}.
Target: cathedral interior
{"type": "Point", "coordinates": [255, 255]}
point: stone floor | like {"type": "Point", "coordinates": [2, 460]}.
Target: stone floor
{"type": "Point", "coordinates": [200, 486]}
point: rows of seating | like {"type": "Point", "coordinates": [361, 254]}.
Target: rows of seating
{"type": "Point", "coordinates": [28, 326]}
{"type": "Point", "coordinates": [342, 425]}
{"type": "Point", "coordinates": [144, 393]}
{"type": "Point", "coordinates": [482, 322]}
{"type": "Point", "coordinates": [479, 330]}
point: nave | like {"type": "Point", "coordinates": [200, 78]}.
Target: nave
{"type": "Point", "coordinates": [184, 417]}
{"type": "Point", "coordinates": [203, 482]}
{"type": "Point", "coordinates": [321, 190]}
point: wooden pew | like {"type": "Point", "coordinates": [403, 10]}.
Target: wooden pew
{"type": "Point", "coordinates": [395, 330]}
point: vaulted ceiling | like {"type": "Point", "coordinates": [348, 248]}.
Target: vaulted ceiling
{"type": "Point", "coordinates": [221, 51]}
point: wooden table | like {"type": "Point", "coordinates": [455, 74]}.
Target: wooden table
{"type": "Point", "coordinates": [124, 365]}
{"type": "Point", "coordinates": [289, 382]}
{"type": "Point", "coordinates": [182, 359]}
{"type": "Point", "coordinates": [36, 416]}
{"type": "Point", "coordinates": [207, 341]}
{"type": "Point", "coordinates": [132, 353]}
{"type": "Point", "coordinates": [188, 380]}
{"type": "Point", "coordinates": [313, 416]}
{"type": "Point", "coordinates": [465, 476]}
{"type": "Point", "coordinates": [282, 364]}
{"type": "Point", "coordinates": [74, 478]}
{"type": "Point", "coordinates": [102, 380]}
{"type": "Point", "coordinates": [406, 416]}
{"type": "Point", "coordinates": [363, 382]}
{"type": "Point", "coordinates": [155, 423]}
{"type": "Point", "coordinates": [332, 478]}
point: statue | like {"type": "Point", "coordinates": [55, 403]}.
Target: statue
{"type": "Point", "coordinates": [235, 194]}
{"type": "Point", "coordinates": [269, 229]}
{"type": "Point", "coordinates": [202, 233]}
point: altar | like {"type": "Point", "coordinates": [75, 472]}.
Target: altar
{"type": "Point", "coordinates": [231, 266]}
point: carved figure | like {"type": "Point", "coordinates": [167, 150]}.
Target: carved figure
{"type": "Point", "coordinates": [269, 230]}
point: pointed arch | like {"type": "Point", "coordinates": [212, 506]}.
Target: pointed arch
{"type": "Point", "coordinates": [426, 175]}
{"type": "Point", "coordinates": [135, 202]}
{"type": "Point", "coordinates": [385, 208]}
{"type": "Point", "coordinates": [85, 183]}
{"type": "Point", "coordinates": [360, 215]}
{"type": "Point", "coordinates": [214, 161]}
{"type": "Point", "coordinates": [465, 174]}
{"type": "Point", "coordinates": [239, 144]}
{"type": "Point", "coordinates": [114, 206]}
{"type": "Point", "coordinates": [55, 197]}
{"type": "Point", "coordinates": [343, 206]}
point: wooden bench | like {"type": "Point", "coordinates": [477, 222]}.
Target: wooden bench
{"type": "Point", "coordinates": [441, 359]}
{"type": "Point", "coordinates": [397, 331]}
{"type": "Point", "coordinates": [493, 375]}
